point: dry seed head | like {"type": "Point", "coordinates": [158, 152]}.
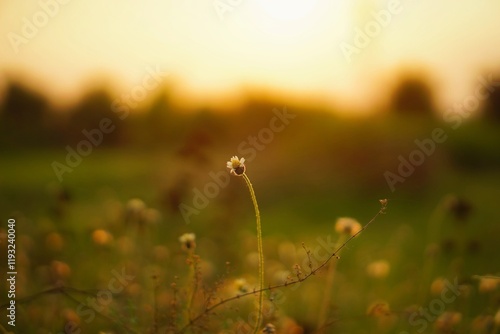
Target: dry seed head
{"type": "Point", "coordinates": [236, 166]}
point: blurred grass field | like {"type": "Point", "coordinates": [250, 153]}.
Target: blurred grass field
{"type": "Point", "coordinates": [316, 170]}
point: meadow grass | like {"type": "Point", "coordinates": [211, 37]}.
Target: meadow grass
{"type": "Point", "coordinates": [60, 252]}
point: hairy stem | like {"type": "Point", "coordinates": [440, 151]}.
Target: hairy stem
{"type": "Point", "coordinates": [261, 254]}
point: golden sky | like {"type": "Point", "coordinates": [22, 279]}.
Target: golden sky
{"type": "Point", "coordinates": [342, 51]}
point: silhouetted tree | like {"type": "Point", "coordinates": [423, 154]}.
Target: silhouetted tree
{"type": "Point", "coordinates": [413, 95]}
{"type": "Point", "coordinates": [161, 124]}
{"type": "Point", "coordinates": [22, 117]}
{"type": "Point", "coordinates": [492, 104]}
{"type": "Point", "coordinates": [88, 115]}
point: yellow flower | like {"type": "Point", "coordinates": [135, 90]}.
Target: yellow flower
{"type": "Point", "coordinates": [447, 320]}
{"type": "Point", "coordinates": [378, 269]}
{"type": "Point", "coordinates": [236, 166]}
{"type": "Point", "coordinates": [488, 284]}
{"type": "Point", "coordinates": [102, 237]}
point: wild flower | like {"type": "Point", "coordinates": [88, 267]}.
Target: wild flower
{"type": "Point", "coordinates": [60, 271]}
{"type": "Point", "coordinates": [349, 226]}
{"type": "Point", "coordinates": [134, 207]}
{"type": "Point", "coordinates": [189, 309]}
{"type": "Point", "coordinates": [188, 242]}
{"type": "Point", "coordinates": [447, 321]}
{"type": "Point", "coordinates": [70, 316]}
{"type": "Point", "coordinates": [496, 319]}
{"type": "Point", "coordinates": [54, 242]}
{"type": "Point", "coordinates": [133, 214]}
{"type": "Point", "coordinates": [269, 329]}
{"type": "Point", "coordinates": [437, 286]}
{"type": "Point", "coordinates": [378, 269]}
{"type": "Point", "coordinates": [241, 285]}
{"type": "Point", "coordinates": [102, 237]}
{"type": "Point", "coordinates": [236, 166]}
{"type": "Point", "coordinates": [379, 308]}
{"type": "Point", "coordinates": [488, 284]}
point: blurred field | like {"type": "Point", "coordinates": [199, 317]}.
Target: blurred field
{"type": "Point", "coordinates": [317, 169]}
{"type": "Point", "coordinates": [114, 137]}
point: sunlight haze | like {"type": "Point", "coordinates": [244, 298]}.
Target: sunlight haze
{"type": "Point", "coordinates": [218, 49]}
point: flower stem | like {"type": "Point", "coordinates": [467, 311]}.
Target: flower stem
{"type": "Point", "coordinates": [261, 253]}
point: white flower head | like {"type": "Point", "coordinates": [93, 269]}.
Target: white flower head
{"type": "Point", "coordinates": [236, 166]}
{"type": "Point", "coordinates": [187, 241]}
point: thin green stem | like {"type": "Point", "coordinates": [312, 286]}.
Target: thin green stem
{"type": "Point", "coordinates": [261, 253]}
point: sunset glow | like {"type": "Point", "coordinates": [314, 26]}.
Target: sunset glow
{"type": "Point", "coordinates": [217, 50]}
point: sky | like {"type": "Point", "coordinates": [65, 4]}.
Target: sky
{"type": "Point", "coordinates": [340, 51]}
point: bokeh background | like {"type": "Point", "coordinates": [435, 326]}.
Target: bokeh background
{"type": "Point", "coordinates": [325, 99]}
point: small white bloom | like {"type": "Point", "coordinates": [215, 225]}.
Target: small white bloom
{"type": "Point", "coordinates": [187, 241]}
{"type": "Point", "coordinates": [236, 166]}
{"type": "Point", "coordinates": [269, 329]}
